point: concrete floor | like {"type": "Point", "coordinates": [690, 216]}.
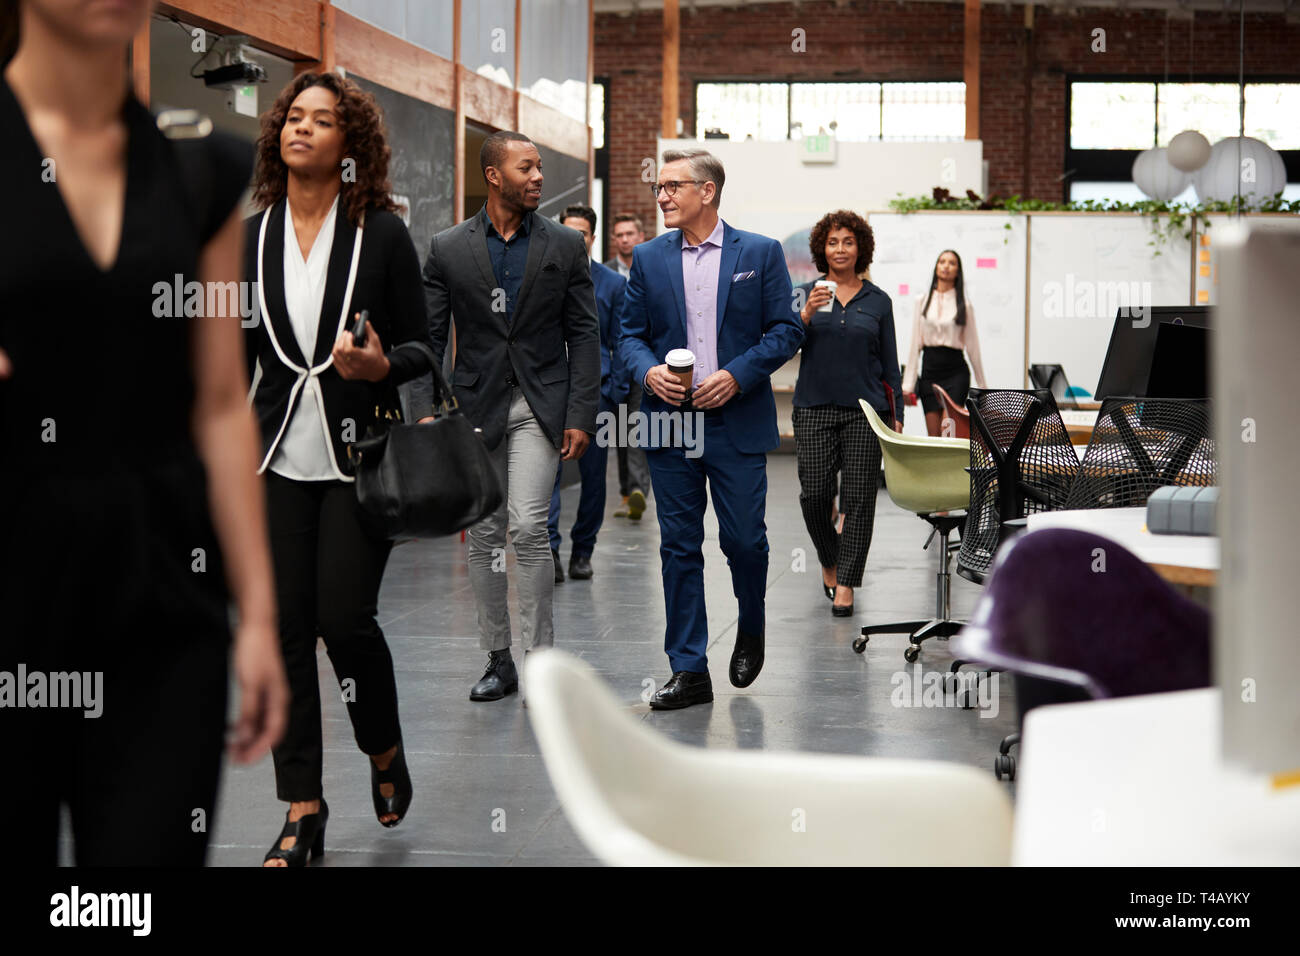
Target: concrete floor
{"type": "Point", "coordinates": [482, 796]}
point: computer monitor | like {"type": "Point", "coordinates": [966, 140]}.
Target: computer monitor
{"type": "Point", "coordinates": [1052, 378]}
{"type": "Point", "coordinates": [1179, 362]}
{"type": "Point", "coordinates": [1127, 369]}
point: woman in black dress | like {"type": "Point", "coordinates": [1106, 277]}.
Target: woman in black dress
{"type": "Point", "coordinates": [326, 247]}
{"type": "Point", "coordinates": [849, 353]}
{"type": "Point", "coordinates": [128, 473]}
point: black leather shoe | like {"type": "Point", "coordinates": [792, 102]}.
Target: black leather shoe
{"type": "Point", "coordinates": [580, 568]}
{"type": "Point", "coordinates": [842, 611]}
{"type": "Point", "coordinates": [309, 832]}
{"type": "Point", "coordinates": [400, 778]}
{"type": "Point", "coordinates": [559, 568]}
{"type": "Point", "coordinates": [683, 689]}
{"type": "Point", "coordinates": [746, 659]}
{"type": "Point", "coordinates": [499, 679]}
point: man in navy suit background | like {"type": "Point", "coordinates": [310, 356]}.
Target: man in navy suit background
{"type": "Point", "coordinates": [725, 295]}
{"type": "Point", "coordinates": [613, 389]}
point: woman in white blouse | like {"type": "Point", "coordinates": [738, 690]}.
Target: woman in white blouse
{"type": "Point", "coordinates": [944, 326]}
{"type": "Point", "coordinates": [328, 246]}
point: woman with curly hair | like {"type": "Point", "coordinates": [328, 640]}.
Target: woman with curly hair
{"type": "Point", "coordinates": [327, 246]}
{"type": "Point", "coordinates": [849, 353]}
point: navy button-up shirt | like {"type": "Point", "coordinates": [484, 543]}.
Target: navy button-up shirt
{"type": "Point", "coordinates": [848, 352]}
{"type": "Point", "coordinates": [509, 257]}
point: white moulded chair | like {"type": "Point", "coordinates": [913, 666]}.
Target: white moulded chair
{"type": "Point", "coordinates": [636, 798]}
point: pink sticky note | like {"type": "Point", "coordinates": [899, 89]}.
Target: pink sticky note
{"type": "Point", "coordinates": [986, 263]}
{"type": "Point", "coordinates": [902, 289]}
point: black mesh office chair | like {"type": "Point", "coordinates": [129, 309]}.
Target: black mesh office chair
{"type": "Point", "coordinates": [1021, 462]}
{"type": "Point", "coordinates": [1141, 444]}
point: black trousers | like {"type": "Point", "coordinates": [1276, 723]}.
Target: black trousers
{"type": "Point", "coordinates": [328, 567]}
{"type": "Point", "coordinates": [111, 585]}
{"type": "Point", "coordinates": [831, 441]}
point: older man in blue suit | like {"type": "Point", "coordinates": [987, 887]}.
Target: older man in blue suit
{"type": "Point", "coordinates": [609, 287]}
{"type": "Point", "coordinates": [726, 296]}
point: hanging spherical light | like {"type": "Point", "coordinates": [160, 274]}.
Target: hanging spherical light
{"type": "Point", "coordinates": [1188, 151]}
{"type": "Point", "coordinates": [1156, 178]}
{"type": "Point", "coordinates": [1258, 174]}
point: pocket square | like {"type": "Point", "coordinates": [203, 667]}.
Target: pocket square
{"type": "Point", "coordinates": [742, 276]}
{"type": "Point", "coordinates": [550, 267]}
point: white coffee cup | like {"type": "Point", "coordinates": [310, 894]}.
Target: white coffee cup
{"type": "Point", "coordinates": [827, 284]}
{"type": "Point", "coordinates": [681, 362]}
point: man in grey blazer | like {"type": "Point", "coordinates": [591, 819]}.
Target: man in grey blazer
{"type": "Point", "coordinates": [527, 373]}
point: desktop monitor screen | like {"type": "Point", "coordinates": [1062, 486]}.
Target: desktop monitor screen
{"type": "Point", "coordinates": [1052, 378]}
{"type": "Point", "coordinates": [1127, 369]}
{"type": "Point", "coordinates": [1179, 362]}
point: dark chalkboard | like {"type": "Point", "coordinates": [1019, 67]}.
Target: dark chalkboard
{"type": "Point", "coordinates": [566, 181]}
{"type": "Point", "coordinates": [422, 169]}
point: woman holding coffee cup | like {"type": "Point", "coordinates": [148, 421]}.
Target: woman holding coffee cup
{"type": "Point", "coordinates": [944, 326]}
{"type": "Point", "coordinates": [849, 353]}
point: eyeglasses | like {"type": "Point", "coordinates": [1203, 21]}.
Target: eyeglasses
{"type": "Point", "coordinates": [673, 185]}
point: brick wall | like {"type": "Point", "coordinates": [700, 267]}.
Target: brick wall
{"type": "Point", "coordinates": [871, 40]}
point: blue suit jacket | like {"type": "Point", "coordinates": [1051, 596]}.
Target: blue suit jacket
{"type": "Point", "coordinates": [758, 328]}
{"type": "Point", "coordinates": [609, 302]}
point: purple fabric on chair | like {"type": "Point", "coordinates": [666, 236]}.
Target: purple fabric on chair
{"type": "Point", "coordinates": [1049, 611]}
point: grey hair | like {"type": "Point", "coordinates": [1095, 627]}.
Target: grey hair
{"type": "Point", "coordinates": [704, 166]}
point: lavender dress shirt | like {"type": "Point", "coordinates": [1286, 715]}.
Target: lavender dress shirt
{"type": "Point", "coordinates": [700, 265]}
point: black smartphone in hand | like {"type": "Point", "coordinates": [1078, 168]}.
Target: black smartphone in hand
{"type": "Point", "coordinates": [359, 329]}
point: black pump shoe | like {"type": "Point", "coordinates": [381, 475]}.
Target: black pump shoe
{"type": "Point", "coordinates": [828, 591]}
{"type": "Point", "coordinates": [400, 778]}
{"type": "Point", "coordinates": [310, 833]}
{"type": "Point", "coordinates": [842, 611]}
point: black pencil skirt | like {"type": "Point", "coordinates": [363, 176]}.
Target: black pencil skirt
{"type": "Point", "coordinates": [946, 368]}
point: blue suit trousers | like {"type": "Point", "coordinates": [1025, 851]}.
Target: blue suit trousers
{"type": "Point", "coordinates": [739, 484]}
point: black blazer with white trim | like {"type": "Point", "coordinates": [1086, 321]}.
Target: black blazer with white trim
{"type": "Point", "coordinates": [385, 279]}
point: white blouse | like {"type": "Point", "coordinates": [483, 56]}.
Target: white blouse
{"type": "Point", "coordinates": [304, 452]}
{"type": "Point", "coordinates": [939, 327]}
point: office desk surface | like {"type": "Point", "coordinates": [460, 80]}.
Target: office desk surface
{"type": "Point", "coordinates": [1178, 558]}
{"type": "Point", "coordinates": [1138, 781]}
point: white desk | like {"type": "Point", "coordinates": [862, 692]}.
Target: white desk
{"type": "Point", "coordinates": [1178, 558]}
{"type": "Point", "coordinates": [1138, 781]}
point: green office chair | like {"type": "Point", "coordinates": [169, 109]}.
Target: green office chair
{"type": "Point", "coordinates": [928, 477]}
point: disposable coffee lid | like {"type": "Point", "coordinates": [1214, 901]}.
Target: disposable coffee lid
{"type": "Point", "coordinates": [680, 357]}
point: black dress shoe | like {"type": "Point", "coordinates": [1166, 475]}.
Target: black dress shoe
{"type": "Point", "coordinates": [559, 568]}
{"type": "Point", "coordinates": [499, 679]}
{"type": "Point", "coordinates": [842, 611]}
{"type": "Point", "coordinates": [746, 659]}
{"type": "Point", "coordinates": [683, 689]}
{"type": "Point", "coordinates": [580, 568]}
{"type": "Point", "coordinates": [400, 778]}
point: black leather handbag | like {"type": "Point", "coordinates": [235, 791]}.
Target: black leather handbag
{"type": "Point", "coordinates": [425, 480]}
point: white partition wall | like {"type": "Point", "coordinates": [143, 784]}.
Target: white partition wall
{"type": "Point", "coordinates": [992, 250]}
{"type": "Point", "coordinates": [1082, 268]}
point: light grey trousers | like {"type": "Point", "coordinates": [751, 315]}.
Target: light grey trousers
{"type": "Point", "coordinates": [526, 462]}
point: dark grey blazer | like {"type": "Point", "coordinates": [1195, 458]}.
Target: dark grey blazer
{"type": "Point", "coordinates": [552, 343]}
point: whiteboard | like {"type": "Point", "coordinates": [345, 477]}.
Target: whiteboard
{"type": "Point", "coordinates": [1082, 268]}
{"type": "Point", "coordinates": [993, 264]}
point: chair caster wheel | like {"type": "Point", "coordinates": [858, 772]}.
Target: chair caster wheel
{"type": "Point", "coordinates": [911, 654]}
{"type": "Point", "coordinates": [1005, 764]}
{"type": "Point", "coordinates": [859, 645]}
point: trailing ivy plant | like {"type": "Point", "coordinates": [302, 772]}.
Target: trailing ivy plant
{"type": "Point", "coordinates": [1167, 218]}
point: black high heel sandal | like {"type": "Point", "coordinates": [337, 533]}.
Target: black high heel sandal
{"type": "Point", "coordinates": [310, 833]}
{"type": "Point", "coordinates": [400, 778]}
